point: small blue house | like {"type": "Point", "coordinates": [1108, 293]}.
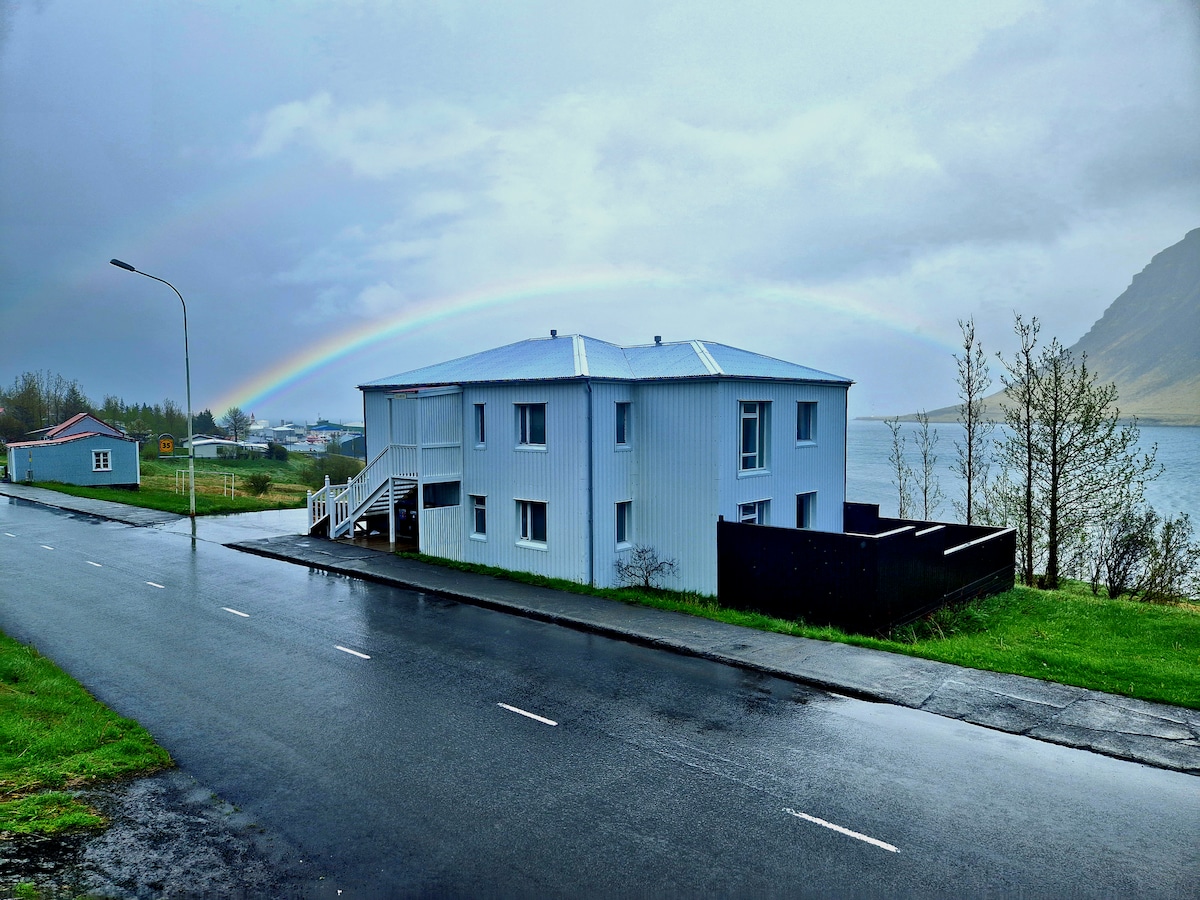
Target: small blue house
{"type": "Point", "coordinates": [82, 450]}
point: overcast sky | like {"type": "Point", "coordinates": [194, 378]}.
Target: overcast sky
{"type": "Point", "coordinates": [348, 190]}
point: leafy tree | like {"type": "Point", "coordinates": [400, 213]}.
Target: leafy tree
{"type": "Point", "coordinates": [1078, 463]}
{"type": "Point", "coordinates": [644, 568]}
{"type": "Point", "coordinates": [902, 473]}
{"type": "Point", "coordinates": [204, 423]}
{"type": "Point", "coordinates": [277, 451]}
{"type": "Point", "coordinates": [974, 381]}
{"type": "Point", "coordinates": [1173, 569]}
{"type": "Point", "coordinates": [1016, 495]}
{"type": "Point", "coordinates": [236, 422]}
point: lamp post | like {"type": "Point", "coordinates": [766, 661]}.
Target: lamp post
{"type": "Point", "coordinates": [187, 368]}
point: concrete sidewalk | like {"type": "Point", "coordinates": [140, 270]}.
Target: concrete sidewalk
{"type": "Point", "coordinates": [1154, 734]}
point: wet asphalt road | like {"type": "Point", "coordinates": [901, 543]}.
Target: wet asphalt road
{"type": "Point", "coordinates": [411, 772]}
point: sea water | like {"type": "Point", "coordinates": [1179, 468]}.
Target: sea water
{"type": "Point", "coordinates": [870, 478]}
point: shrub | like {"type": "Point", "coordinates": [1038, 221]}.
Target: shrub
{"type": "Point", "coordinates": [277, 451]}
{"type": "Point", "coordinates": [340, 469]}
{"type": "Point", "coordinates": [644, 568]}
{"type": "Point", "coordinates": [259, 482]}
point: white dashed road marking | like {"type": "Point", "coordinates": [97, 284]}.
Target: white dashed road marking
{"type": "Point", "coordinates": [156, 584]}
{"type": "Point", "coordinates": [840, 830]}
{"type": "Point", "coordinates": [521, 712]}
{"type": "Point", "coordinates": [97, 565]}
{"type": "Point", "coordinates": [235, 612]}
{"type": "Point", "coordinates": [47, 547]}
{"type": "Point", "coordinates": [352, 652]}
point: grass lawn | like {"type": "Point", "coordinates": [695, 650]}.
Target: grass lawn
{"type": "Point", "coordinates": [55, 737]}
{"type": "Point", "coordinates": [159, 482]}
{"type": "Point", "coordinates": [1141, 650]}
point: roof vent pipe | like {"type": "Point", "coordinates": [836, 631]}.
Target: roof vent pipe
{"type": "Point", "coordinates": [658, 340]}
{"type": "Point", "coordinates": [553, 332]}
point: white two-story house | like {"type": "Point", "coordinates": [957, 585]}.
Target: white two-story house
{"type": "Point", "coordinates": [557, 455]}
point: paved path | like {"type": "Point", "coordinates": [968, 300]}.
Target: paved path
{"type": "Point", "coordinates": [1150, 733]}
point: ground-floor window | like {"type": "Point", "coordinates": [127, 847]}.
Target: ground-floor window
{"type": "Point", "coordinates": [101, 460]}
{"type": "Point", "coordinates": [532, 524]}
{"type": "Point", "coordinates": [441, 493]}
{"type": "Point", "coordinates": [754, 513]}
{"type": "Point", "coordinates": [624, 520]}
{"type": "Point", "coordinates": [479, 512]}
{"type": "Point", "coordinates": [806, 509]}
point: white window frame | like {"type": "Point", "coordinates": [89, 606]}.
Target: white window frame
{"type": "Point", "coordinates": [806, 509]}
{"type": "Point", "coordinates": [806, 421]}
{"type": "Point", "coordinates": [480, 425]}
{"type": "Point", "coordinates": [624, 531]}
{"type": "Point", "coordinates": [102, 461]}
{"type": "Point", "coordinates": [757, 412]}
{"type": "Point", "coordinates": [526, 524]}
{"type": "Point", "coordinates": [624, 418]}
{"type": "Point", "coordinates": [526, 423]}
{"type": "Point", "coordinates": [756, 512]}
{"type": "Point", "coordinates": [478, 508]}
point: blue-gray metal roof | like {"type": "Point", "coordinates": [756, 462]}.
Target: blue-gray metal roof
{"type": "Point", "coordinates": [577, 356]}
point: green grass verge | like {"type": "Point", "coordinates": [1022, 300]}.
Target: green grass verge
{"type": "Point", "coordinates": [169, 501]}
{"type": "Point", "coordinates": [55, 737]}
{"type": "Point", "coordinates": [1069, 636]}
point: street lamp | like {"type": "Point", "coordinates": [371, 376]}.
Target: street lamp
{"type": "Point", "coordinates": [187, 368]}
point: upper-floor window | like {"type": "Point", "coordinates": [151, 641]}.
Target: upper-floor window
{"type": "Point", "coordinates": [806, 421]}
{"type": "Point", "coordinates": [623, 424]}
{"type": "Point", "coordinates": [754, 513]}
{"type": "Point", "coordinates": [531, 424]}
{"type": "Point", "coordinates": [480, 425]}
{"type": "Point", "coordinates": [101, 461]}
{"type": "Point", "coordinates": [755, 431]}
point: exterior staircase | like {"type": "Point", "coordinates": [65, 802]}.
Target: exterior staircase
{"type": "Point", "coordinates": [335, 509]}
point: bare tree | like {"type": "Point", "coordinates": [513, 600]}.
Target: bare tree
{"type": "Point", "coordinates": [902, 473]}
{"type": "Point", "coordinates": [644, 568]}
{"type": "Point", "coordinates": [929, 486]}
{"type": "Point", "coordinates": [972, 463]}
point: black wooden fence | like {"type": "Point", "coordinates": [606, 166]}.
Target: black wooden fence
{"type": "Point", "coordinates": [878, 574]}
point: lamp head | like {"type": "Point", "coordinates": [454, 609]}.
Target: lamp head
{"type": "Point", "coordinates": [121, 265]}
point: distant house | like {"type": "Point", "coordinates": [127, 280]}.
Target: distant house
{"type": "Point", "coordinates": [211, 447]}
{"type": "Point", "coordinates": [558, 455]}
{"type": "Point", "coordinates": [82, 450]}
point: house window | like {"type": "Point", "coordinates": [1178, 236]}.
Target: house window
{"type": "Point", "coordinates": [480, 423]}
{"type": "Point", "coordinates": [532, 527]}
{"type": "Point", "coordinates": [753, 513]}
{"type": "Point", "coordinates": [101, 460]}
{"type": "Point", "coordinates": [479, 520]}
{"type": "Point", "coordinates": [531, 424]}
{"type": "Point", "coordinates": [806, 509]}
{"type": "Point", "coordinates": [441, 493]}
{"type": "Point", "coordinates": [623, 424]}
{"type": "Point", "coordinates": [754, 435]}
{"type": "Point", "coordinates": [806, 421]}
{"type": "Point", "coordinates": [624, 513]}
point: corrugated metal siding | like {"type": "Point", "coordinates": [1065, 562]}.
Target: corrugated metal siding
{"type": "Point", "coordinates": [403, 423]}
{"type": "Point", "coordinates": [791, 468]}
{"type": "Point", "coordinates": [375, 420]}
{"type": "Point", "coordinates": [615, 472]}
{"type": "Point", "coordinates": [675, 489]}
{"type": "Point", "coordinates": [441, 531]}
{"type": "Point", "coordinates": [505, 473]}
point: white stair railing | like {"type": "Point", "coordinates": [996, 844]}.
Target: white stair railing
{"type": "Point", "coordinates": [342, 504]}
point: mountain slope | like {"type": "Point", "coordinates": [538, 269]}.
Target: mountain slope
{"type": "Point", "coordinates": [1147, 341]}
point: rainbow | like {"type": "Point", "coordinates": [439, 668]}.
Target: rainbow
{"type": "Point", "coordinates": [294, 371]}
